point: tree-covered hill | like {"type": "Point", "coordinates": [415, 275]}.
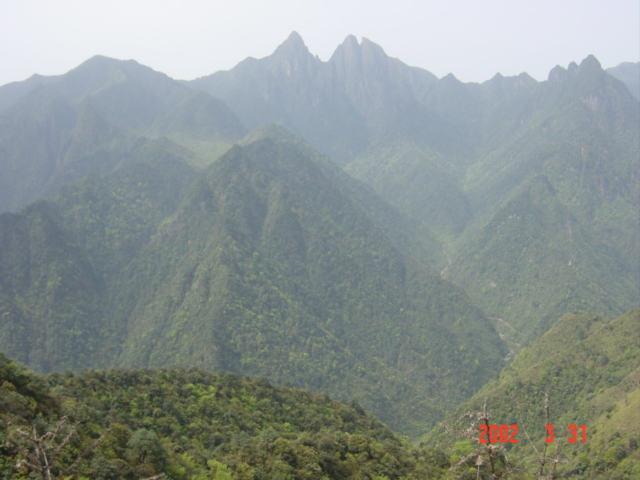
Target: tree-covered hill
{"type": "Point", "coordinates": [535, 261]}
{"type": "Point", "coordinates": [590, 368]}
{"type": "Point", "coordinates": [59, 261]}
{"type": "Point", "coordinates": [268, 268]}
{"type": "Point", "coordinates": [534, 252]}
{"type": "Point", "coordinates": [191, 424]}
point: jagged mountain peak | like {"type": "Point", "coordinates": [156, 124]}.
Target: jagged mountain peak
{"type": "Point", "coordinates": [350, 49]}
{"type": "Point", "coordinates": [294, 37]}
{"type": "Point", "coordinates": [350, 41]}
{"type": "Point", "coordinates": [589, 65]}
{"type": "Point", "coordinates": [294, 44]}
{"type": "Point", "coordinates": [292, 57]}
{"type": "Point", "coordinates": [590, 62]}
{"type": "Point", "coordinates": [352, 59]}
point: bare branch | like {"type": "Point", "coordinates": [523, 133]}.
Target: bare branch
{"type": "Point", "coordinates": [86, 452]}
{"type": "Point", "coordinates": [25, 464]}
{"type": "Point", "coordinates": [65, 441]}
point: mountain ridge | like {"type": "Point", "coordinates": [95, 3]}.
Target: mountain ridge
{"type": "Point", "coordinates": [46, 135]}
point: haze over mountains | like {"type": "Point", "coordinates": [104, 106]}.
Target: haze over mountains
{"type": "Point", "coordinates": [356, 226]}
{"type": "Point", "coordinates": [629, 74]}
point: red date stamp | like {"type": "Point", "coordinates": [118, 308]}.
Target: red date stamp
{"type": "Point", "coordinates": [573, 433]}
{"type": "Point", "coordinates": [498, 433]}
{"type": "Point", "coordinates": [507, 433]}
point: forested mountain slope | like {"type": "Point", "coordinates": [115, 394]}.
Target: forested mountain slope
{"type": "Point", "coordinates": [50, 292]}
{"type": "Point", "coordinates": [569, 183]}
{"type": "Point", "coordinates": [535, 261]}
{"type": "Point", "coordinates": [590, 368]}
{"type": "Point", "coordinates": [59, 129]}
{"type": "Point", "coordinates": [451, 156]}
{"type": "Point", "coordinates": [279, 271]}
{"type": "Point", "coordinates": [190, 424]}
{"type": "Point", "coordinates": [60, 260]}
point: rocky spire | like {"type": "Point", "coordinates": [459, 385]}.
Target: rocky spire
{"type": "Point", "coordinates": [293, 56]}
{"type": "Point", "coordinates": [293, 46]}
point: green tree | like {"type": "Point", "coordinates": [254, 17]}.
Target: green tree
{"type": "Point", "coordinates": [144, 447]}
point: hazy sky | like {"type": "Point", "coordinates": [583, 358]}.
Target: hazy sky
{"type": "Point", "coordinates": [473, 39]}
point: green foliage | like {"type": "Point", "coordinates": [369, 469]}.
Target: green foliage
{"type": "Point", "coordinates": [58, 260]}
{"type": "Point", "coordinates": [144, 447]}
{"type": "Point", "coordinates": [22, 394]}
{"type": "Point", "coordinates": [557, 269]}
{"type": "Point", "coordinates": [194, 424]}
{"type": "Point", "coordinates": [49, 292]}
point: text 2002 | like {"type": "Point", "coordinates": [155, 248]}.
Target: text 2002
{"type": "Point", "coordinates": [498, 433]}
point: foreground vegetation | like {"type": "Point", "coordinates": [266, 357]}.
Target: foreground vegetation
{"type": "Point", "coordinates": [189, 424]}
{"type": "Point", "coordinates": [582, 376]}
{"type": "Point", "coordinates": [586, 370]}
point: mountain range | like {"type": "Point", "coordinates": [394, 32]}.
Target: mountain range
{"type": "Point", "coordinates": [357, 226]}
